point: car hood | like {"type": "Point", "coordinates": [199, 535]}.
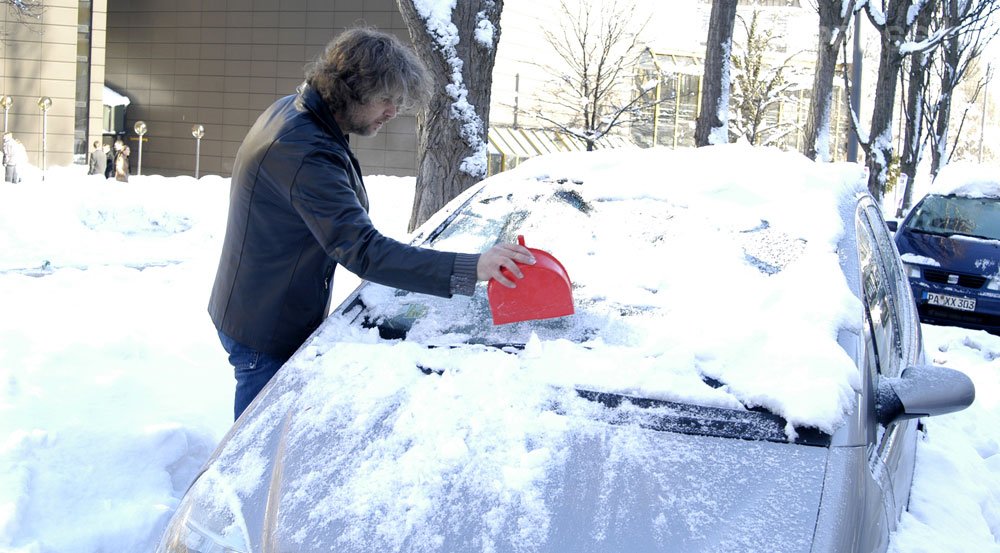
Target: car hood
{"type": "Point", "coordinates": [956, 253]}
{"type": "Point", "coordinates": [555, 472]}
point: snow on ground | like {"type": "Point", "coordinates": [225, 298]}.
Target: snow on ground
{"type": "Point", "coordinates": [114, 389]}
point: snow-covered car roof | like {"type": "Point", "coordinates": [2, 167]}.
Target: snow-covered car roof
{"type": "Point", "coordinates": [967, 179]}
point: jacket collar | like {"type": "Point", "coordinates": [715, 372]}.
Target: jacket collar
{"type": "Point", "coordinates": [310, 99]}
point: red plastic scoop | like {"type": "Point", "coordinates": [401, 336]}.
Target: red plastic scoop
{"type": "Point", "coordinates": [544, 292]}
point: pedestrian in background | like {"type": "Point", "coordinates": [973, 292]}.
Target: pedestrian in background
{"type": "Point", "coordinates": [98, 159]}
{"type": "Point", "coordinates": [9, 158]}
{"type": "Point", "coordinates": [109, 162]}
{"type": "Point", "coordinates": [121, 161]}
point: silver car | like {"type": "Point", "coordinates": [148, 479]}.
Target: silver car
{"type": "Point", "coordinates": [743, 371]}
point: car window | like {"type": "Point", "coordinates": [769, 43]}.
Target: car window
{"type": "Point", "coordinates": [878, 299]}
{"type": "Point", "coordinates": [977, 217]}
{"type": "Point", "coordinates": [539, 213]}
{"type": "Point", "coordinates": [900, 293]}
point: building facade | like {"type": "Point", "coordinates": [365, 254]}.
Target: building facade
{"type": "Point", "coordinates": [218, 63]}
{"type": "Point", "coordinates": [213, 63]}
{"type": "Point", "coordinates": [59, 56]}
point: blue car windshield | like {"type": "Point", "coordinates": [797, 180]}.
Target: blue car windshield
{"type": "Point", "coordinates": [950, 215]}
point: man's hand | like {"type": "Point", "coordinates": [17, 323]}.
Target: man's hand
{"type": "Point", "coordinates": [503, 256]}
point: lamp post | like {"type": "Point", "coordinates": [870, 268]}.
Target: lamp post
{"type": "Point", "coordinates": [6, 102]}
{"type": "Point", "coordinates": [197, 132]}
{"type": "Point", "coordinates": [44, 103]}
{"type": "Point", "coordinates": [140, 129]}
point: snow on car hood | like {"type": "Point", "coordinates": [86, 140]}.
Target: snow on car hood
{"type": "Point", "coordinates": [964, 254]}
{"type": "Point", "coordinates": [377, 456]}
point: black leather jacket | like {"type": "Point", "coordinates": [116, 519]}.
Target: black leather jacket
{"type": "Point", "coordinates": [297, 208]}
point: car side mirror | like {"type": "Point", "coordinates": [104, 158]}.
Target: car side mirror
{"type": "Point", "coordinates": [923, 391]}
{"type": "Point", "coordinates": [892, 225]}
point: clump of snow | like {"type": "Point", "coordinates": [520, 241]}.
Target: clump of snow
{"type": "Point", "coordinates": [485, 32]}
{"type": "Point", "coordinates": [444, 33]}
{"type": "Point", "coordinates": [720, 135]}
{"type": "Point", "coordinates": [919, 260]}
{"type": "Point", "coordinates": [112, 98]}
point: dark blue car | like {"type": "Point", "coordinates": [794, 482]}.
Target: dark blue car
{"type": "Point", "coordinates": [950, 246]}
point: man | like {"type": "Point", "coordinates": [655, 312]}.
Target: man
{"type": "Point", "coordinates": [298, 208]}
{"type": "Point", "coordinates": [122, 153]}
{"type": "Point", "coordinates": [109, 162]}
{"type": "Point", "coordinates": [97, 159]}
{"type": "Point", "coordinates": [10, 158]}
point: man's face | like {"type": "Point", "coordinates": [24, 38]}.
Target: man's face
{"type": "Point", "coordinates": [366, 119]}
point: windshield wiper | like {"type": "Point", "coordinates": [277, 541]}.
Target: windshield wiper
{"type": "Point", "coordinates": [683, 418]}
{"type": "Point", "coordinates": [946, 234]}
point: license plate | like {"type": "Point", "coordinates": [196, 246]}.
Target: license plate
{"type": "Point", "coordinates": [954, 302]}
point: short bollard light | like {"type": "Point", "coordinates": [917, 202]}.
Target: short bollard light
{"type": "Point", "coordinates": [6, 101]}
{"type": "Point", "coordinates": [44, 103]}
{"type": "Point", "coordinates": [197, 132]}
{"type": "Point", "coordinates": [140, 129]}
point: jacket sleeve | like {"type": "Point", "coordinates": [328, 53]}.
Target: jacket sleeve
{"type": "Point", "coordinates": [322, 193]}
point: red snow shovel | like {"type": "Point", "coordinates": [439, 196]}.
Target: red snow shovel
{"type": "Point", "coordinates": [544, 292]}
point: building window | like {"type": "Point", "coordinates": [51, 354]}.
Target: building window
{"type": "Point", "coordinates": [82, 112]}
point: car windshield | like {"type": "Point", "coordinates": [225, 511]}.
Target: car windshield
{"type": "Point", "coordinates": [978, 217]}
{"type": "Point", "coordinates": [618, 295]}
{"type": "Point", "coordinates": [681, 294]}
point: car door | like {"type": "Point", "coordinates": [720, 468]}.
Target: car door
{"type": "Point", "coordinates": [878, 333]}
{"type": "Point", "coordinates": [893, 345]}
{"type": "Point", "coordinates": [897, 448]}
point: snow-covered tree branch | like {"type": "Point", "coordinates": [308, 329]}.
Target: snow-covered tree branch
{"type": "Point", "coordinates": [457, 41]}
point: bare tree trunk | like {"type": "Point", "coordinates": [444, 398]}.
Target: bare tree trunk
{"type": "Point", "coordinates": [879, 149]}
{"type": "Point", "coordinates": [913, 138]}
{"type": "Point", "coordinates": [712, 119]}
{"type": "Point", "coordinates": [832, 33]}
{"type": "Point", "coordinates": [951, 56]}
{"type": "Point", "coordinates": [451, 143]}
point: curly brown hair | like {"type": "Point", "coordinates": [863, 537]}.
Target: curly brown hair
{"type": "Point", "coordinates": [362, 64]}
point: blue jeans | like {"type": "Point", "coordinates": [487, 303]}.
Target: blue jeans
{"type": "Point", "coordinates": [253, 369]}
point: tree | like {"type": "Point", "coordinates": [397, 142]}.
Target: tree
{"type": "Point", "coordinates": [712, 124]}
{"type": "Point", "coordinates": [968, 30]}
{"type": "Point", "coordinates": [834, 16]}
{"type": "Point", "coordinates": [917, 85]}
{"type": "Point", "coordinates": [599, 45]}
{"type": "Point", "coordinates": [26, 12]}
{"type": "Point", "coordinates": [758, 87]}
{"type": "Point", "coordinates": [458, 45]}
{"type": "Point", "coordinates": [971, 142]}
{"type": "Point", "coordinates": [26, 9]}
{"type": "Point", "coordinates": [894, 20]}
{"type": "Point", "coordinates": [948, 37]}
